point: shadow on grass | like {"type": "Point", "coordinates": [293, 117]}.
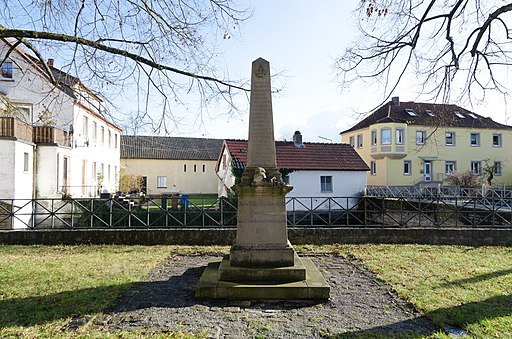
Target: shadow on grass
{"type": "Point", "coordinates": [478, 278]}
{"type": "Point", "coordinates": [178, 291]}
{"type": "Point", "coordinates": [461, 316]}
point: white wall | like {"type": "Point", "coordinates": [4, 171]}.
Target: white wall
{"type": "Point", "coordinates": [306, 185]}
{"type": "Point", "coordinates": [225, 177]}
{"type": "Point", "coordinates": [15, 182]}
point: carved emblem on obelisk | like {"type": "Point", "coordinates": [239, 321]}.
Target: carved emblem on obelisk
{"type": "Point", "coordinates": [260, 71]}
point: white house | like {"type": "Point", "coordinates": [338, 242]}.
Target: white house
{"type": "Point", "coordinates": [54, 138]}
{"type": "Point", "coordinates": [315, 170]}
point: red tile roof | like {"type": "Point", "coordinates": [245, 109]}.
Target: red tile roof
{"type": "Point", "coordinates": [313, 156]}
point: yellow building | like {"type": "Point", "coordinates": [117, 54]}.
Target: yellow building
{"type": "Point", "coordinates": [408, 143]}
{"type": "Point", "coordinates": [172, 164]}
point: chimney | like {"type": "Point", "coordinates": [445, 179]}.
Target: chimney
{"type": "Point", "coordinates": [297, 139]}
{"type": "Point", "coordinates": [396, 101]}
{"type": "Point", "coordinates": [50, 62]}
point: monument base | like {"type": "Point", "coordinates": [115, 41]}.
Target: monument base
{"type": "Point", "coordinates": [210, 286]}
{"type": "Point", "coordinates": [262, 255]}
{"type": "Point", "coordinates": [228, 272]}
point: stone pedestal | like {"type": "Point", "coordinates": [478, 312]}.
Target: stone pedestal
{"type": "Point", "coordinates": [262, 235]}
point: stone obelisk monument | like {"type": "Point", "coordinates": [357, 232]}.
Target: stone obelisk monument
{"type": "Point", "coordinates": [262, 237]}
{"type": "Point", "coordinates": [262, 263]}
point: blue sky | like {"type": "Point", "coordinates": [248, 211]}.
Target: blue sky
{"type": "Point", "coordinates": [300, 40]}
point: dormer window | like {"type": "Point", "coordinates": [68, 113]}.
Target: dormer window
{"type": "Point", "coordinates": [473, 116]}
{"type": "Point", "coordinates": [7, 70]}
{"type": "Point", "coordinates": [411, 112]}
{"type": "Point", "coordinates": [459, 114]}
{"type": "Point", "coordinates": [430, 113]}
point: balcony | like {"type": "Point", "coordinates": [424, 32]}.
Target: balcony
{"type": "Point", "coordinates": [15, 129]}
{"type": "Point", "coordinates": [48, 135]}
{"type": "Point", "coordinates": [390, 151]}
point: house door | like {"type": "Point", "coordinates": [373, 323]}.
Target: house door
{"type": "Point", "coordinates": [144, 187]}
{"type": "Point", "coordinates": [65, 183]}
{"type": "Point", "coordinates": [427, 170]}
{"type": "Point", "coordinates": [83, 178]}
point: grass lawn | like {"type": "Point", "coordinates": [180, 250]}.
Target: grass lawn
{"type": "Point", "coordinates": [42, 288]}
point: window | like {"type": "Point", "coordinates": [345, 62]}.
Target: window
{"type": "Point", "coordinates": [420, 137]}
{"type": "Point", "coordinates": [407, 167]}
{"type": "Point", "coordinates": [85, 128]}
{"type": "Point", "coordinates": [109, 138]}
{"type": "Point", "coordinates": [460, 115]}
{"type": "Point", "coordinates": [94, 131]}
{"type": "Point", "coordinates": [373, 168]}
{"type": "Point", "coordinates": [472, 115]}
{"type": "Point", "coordinates": [102, 135]}
{"type": "Point", "coordinates": [449, 167]}
{"type": "Point", "coordinates": [449, 138]}
{"type": "Point", "coordinates": [351, 141]}
{"type": "Point", "coordinates": [195, 168]}
{"type": "Point", "coordinates": [326, 184]}
{"type": "Point", "coordinates": [7, 70]}
{"type": "Point", "coordinates": [476, 167]}
{"type": "Point", "coordinates": [374, 137]}
{"type": "Point", "coordinates": [161, 182]}
{"type": "Point", "coordinates": [430, 113]}
{"type": "Point", "coordinates": [496, 140]}
{"type": "Point", "coordinates": [108, 173]}
{"type": "Point", "coordinates": [385, 136]}
{"type": "Point", "coordinates": [204, 168]}
{"type": "Point", "coordinates": [411, 112]}
{"type": "Point", "coordinates": [116, 175]}
{"type": "Point", "coordinates": [475, 139]}
{"type": "Point", "coordinates": [115, 140]}
{"type": "Point", "coordinates": [93, 172]}
{"type": "Point", "coordinates": [359, 141]}
{"type": "Point", "coordinates": [184, 167]}
{"type": "Point", "coordinates": [399, 137]}
{"type": "Point", "coordinates": [25, 162]}
{"type": "Point", "coordinates": [23, 112]}
{"type": "Point", "coordinates": [497, 168]}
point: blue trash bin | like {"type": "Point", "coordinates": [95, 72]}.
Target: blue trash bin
{"type": "Point", "coordinates": [184, 200]}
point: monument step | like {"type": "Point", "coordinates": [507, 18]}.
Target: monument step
{"type": "Point", "coordinates": [254, 275]}
{"type": "Point", "coordinates": [313, 287]}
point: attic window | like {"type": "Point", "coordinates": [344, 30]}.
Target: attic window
{"type": "Point", "coordinates": [7, 70]}
{"type": "Point", "coordinates": [430, 113]}
{"type": "Point", "coordinates": [473, 116]}
{"type": "Point", "coordinates": [459, 114]}
{"type": "Point", "coordinates": [411, 112]}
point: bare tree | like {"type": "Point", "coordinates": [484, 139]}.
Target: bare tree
{"type": "Point", "coordinates": [455, 50]}
{"type": "Point", "coordinates": [158, 51]}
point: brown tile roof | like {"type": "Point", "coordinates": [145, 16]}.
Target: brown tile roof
{"type": "Point", "coordinates": [442, 115]}
{"type": "Point", "coordinates": [313, 156]}
{"type": "Point", "coordinates": [171, 148]}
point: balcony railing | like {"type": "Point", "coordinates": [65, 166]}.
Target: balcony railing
{"type": "Point", "coordinates": [51, 135]}
{"type": "Point", "coordinates": [11, 127]}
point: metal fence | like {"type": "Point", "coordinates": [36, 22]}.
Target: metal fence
{"type": "Point", "coordinates": [491, 210]}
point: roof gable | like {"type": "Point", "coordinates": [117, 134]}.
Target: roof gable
{"type": "Point", "coordinates": [169, 148]}
{"type": "Point", "coordinates": [313, 156]}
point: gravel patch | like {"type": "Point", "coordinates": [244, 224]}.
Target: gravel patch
{"type": "Point", "coordinates": [359, 303]}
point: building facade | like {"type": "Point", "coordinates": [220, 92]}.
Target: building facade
{"type": "Point", "coordinates": [170, 165]}
{"type": "Point", "coordinates": [54, 136]}
{"type": "Point", "coordinates": [408, 143]}
{"type": "Point", "coordinates": [315, 170]}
